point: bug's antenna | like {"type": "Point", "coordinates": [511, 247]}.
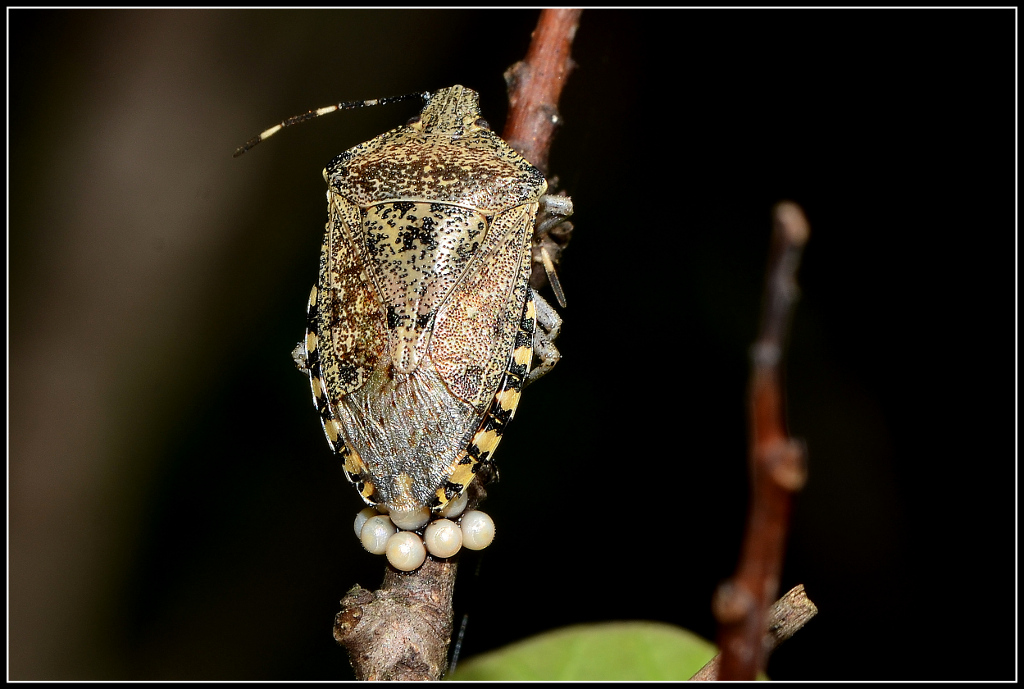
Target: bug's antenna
{"type": "Point", "coordinates": [313, 114]}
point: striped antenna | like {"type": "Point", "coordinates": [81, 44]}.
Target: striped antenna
{"type": "Point", "coordinates": [313, 114]}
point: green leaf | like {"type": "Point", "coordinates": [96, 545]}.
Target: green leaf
{"type": "Point", "coordinates": [603, 651]}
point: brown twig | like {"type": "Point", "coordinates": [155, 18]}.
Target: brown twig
{"type": "Point", "coordinates": [777, 464]}
{"type": "Point", "coordinates": [402, 630]}
{"type": "Point", "coordinates": [535, 84]}
{"type": "Point", "coordinates": [534, 87]}
{"type": "Point", "coordinates": [789, 614]}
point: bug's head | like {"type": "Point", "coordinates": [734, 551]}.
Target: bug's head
{"type": "Point", "coordinates": [452, 112]}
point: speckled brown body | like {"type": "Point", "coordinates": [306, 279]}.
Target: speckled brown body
{"type": "Point", "coordinates": [421, 325]}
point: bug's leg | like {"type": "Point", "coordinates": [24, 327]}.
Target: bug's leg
{"type": "Point", "coordinates": [550, 236]}
{"type": "Point", "coordinates": [556, 208]}
{"type": "Point", "coordinates": [306, 354]}
{"type": "Point", "coordinates": [548, 326]}
{"type": "Point", "coordinates": [299, 357]}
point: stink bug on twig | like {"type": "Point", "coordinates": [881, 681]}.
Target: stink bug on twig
{"type": "Point", "coordinates": [422, 326]}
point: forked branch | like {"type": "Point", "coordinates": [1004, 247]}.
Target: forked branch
{"type": "Point", "coordinates": [787, 615]}
{"type": "Point", "coordinates": [777, 464]}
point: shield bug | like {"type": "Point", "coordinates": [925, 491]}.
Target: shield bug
{"type": "Point", "coordinates": [422, 326]}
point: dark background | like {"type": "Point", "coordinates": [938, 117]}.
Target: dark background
{"type": "Point", "coordinates": [174, 511]}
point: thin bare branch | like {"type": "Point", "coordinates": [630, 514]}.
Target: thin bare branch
{"type": "Point", "coordinates": [535, 85]}
{"type": "Point", "coordinates": [777, 464]}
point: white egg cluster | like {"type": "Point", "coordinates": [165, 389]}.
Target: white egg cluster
{"type": "Point", "coordinates": [398, 534]}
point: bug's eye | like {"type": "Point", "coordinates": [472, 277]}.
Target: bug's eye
{"type": "Point", "coordinates": [413, 120]}
{"type": "Point", "coordinates": [482, 123]}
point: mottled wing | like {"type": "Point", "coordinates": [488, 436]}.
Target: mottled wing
{"type": "Point", "coordinates": [350, 313]}
{"type": "Point", "coordinates": [482, 343]}
{"type": "Point", "coordinates": [480, 450]}
{"type": "Point", "coordinates": [475, 328]}
{"type": "Point", "coordinates": [346, 333]}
